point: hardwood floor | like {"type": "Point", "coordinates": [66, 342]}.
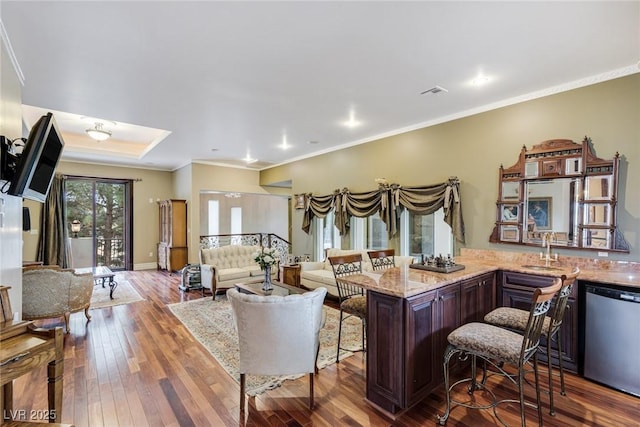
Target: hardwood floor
{"type": "Point", "coordinates": [137, 365]}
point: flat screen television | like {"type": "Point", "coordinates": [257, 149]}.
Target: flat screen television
{"type": "Point", "coordinates": [37, 164]}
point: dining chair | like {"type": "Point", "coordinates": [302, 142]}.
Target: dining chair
{"type": "Point", "coordinates": [352, 298]}
{"type": "Point", "coordinates": [278, 335]}
{"type": "Point", "coordinates": [499, 347]}
{"type": "Point", "coordinates": [516, 320]}
{"type": "Point", "coordinates": [382, 259]}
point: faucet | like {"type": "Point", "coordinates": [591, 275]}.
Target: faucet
{"type": "Point", "coordinates": [546, 240]}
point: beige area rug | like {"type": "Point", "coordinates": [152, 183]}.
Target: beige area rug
{"type": "Point", "coordinates": [123, 294]}
{"type": "Point", "coordinates": [211, 323]}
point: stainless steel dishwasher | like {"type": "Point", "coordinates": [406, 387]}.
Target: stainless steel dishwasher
{"type": "Point", "coordinates": [612, 338]}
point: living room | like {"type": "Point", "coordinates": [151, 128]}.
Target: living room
{"type": "Point", "coordinates": [471, 147]}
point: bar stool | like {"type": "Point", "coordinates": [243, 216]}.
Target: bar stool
{"type": "Point", "coordinates": [516, 320]}
{"type": "Point", "coordinates": [353, 301]}
{"type": "Point", "coordinates": [497, 347]}
{"type": "Point", "coordinates": [382, 259]}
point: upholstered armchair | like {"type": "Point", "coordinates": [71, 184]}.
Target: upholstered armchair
{"type": "Point", "coordinates": [278, 335]}
{"type": "Point", "coordinates": [53, 292]}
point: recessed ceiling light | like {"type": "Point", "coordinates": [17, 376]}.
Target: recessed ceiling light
{"type": "Point", "coordinates": [313, 142]}
{"type": "Point", "coordinates": [352, 122]}
{"type": "Point", "coordinates": [480, 80]}
{"type": "Point", "coordinates": [214, 149]}
{"type": "Point", "coordinates": [284, 144]}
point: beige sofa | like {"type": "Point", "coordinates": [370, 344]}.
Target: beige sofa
{"type": "Point", "coordinates": [51, 292]}
{"type": "Point", "coordinates": [223, 267]}
{"type": "Point", "coordinates": [314, 274]}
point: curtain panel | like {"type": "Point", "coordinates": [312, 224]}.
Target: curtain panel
{"type": "Point", "coordinates": [52, 244]}
{"type": "Point", "coordinates": [387, 201]}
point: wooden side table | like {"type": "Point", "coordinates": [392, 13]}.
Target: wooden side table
{"type": "Point", "coordinates": [290, 274]}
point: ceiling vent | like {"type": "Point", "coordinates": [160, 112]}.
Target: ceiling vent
{"type": "Point", "coordinates": [434, 90]}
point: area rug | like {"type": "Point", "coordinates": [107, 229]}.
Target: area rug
{"type": "Point", "coordinates": [123, 294]}
{"type": "Point", "coordinates": [211, 323]}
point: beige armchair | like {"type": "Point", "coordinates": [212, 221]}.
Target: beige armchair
{"type": "Point", "coordinates": [52, 292]}
{"type": "Point", "coordinates": [278, 335]}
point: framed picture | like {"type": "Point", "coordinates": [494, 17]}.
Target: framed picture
{"type": "Point", "coordinates": [299, 201]}
{"type": "Point", "coordinates": [539, 212]}
{"type": "Point", "coordinates": [509, 233]}
{"type": "Point", "coordinates": [510, 213]}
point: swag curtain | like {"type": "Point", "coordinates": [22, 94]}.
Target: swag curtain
{"type": "Point", "coordinates": [386, 201]}
{"type": "Point", "coordinates": [52, 245]}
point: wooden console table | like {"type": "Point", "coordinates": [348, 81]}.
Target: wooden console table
{"type": "Point", "coordinates": [23, 348]}
{"type": "Point", "coordinates": [290, 274]}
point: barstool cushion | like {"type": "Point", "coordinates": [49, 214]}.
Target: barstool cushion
{"type": "Point", "coordinates": [355, 305]}
{"type": "Point", "coordinates": [513, 318]}
{"type": "Point", "coordinates": [488, 341]}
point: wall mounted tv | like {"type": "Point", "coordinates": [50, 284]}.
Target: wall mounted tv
{"type": "Point", "coordinates": [37, 164]}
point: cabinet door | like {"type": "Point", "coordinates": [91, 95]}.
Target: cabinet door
{"type": "Point", "coordinates": [448, 314]}
{"type": "Point", "coordinates": [385, 351]}
{"type": "Point", "coordinates": [422, 361]}
{"type": "Point", "coordinates": [477, 298]}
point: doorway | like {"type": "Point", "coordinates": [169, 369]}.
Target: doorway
{"type": "Point", "coordinates": [99, 217]}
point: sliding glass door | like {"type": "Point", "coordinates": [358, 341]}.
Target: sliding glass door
{"type": "Point", "coordinates": [99, 221]}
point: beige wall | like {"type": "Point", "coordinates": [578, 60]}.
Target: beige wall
{"type": "Point", "coordinates": [10, 206]}
{"type": "Point", "coordinates": [154, 186]}
{"type": "Point", "coordinates": [205, 177]}
{"type": "Point", "coordinates": [473, 148]}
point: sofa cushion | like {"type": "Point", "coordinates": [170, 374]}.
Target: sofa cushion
{"type": "Point", "coordinates": [233, 256]}
{"type": "Point", "coordinates": [323, 276]}
{"type": "Point", "coordinates": [255, 270]}
{"type": "Point", "coordinates": [232, 273]}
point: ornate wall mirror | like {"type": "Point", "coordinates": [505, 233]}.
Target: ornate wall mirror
{"type": "Point", "coordinates": [560, 186]}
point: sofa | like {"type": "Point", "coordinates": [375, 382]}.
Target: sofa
{"type": "Point", "coordinates": [314, 274]}
{"type": "Point", "coordinates": [223, 267]}
{"type": "Point", "coordinates": [53, 292]}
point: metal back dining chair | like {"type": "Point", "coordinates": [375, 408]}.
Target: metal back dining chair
{"type": "Point", "coordinates": [382, 259]}
{"type": "Point", "coordinates": [499, 348]}
{"type": "Point", "coordinates": [352, 298]}
{"type": "Point", "coordinates": [516, 319]}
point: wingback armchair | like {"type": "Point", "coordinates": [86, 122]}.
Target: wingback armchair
{"type": "Point", "coordinates": [278, 335]}
{"type": "Point", "coordinates": [52, 292]}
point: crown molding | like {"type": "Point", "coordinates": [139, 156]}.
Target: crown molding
{"type": "Point", "coordinates": [11, 53]}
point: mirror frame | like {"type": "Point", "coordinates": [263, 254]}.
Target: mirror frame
{"type": "Point", "coordinates": [561, 159]}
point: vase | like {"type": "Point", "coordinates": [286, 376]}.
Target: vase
{"type": "Point", "coordinates": [267, 285]}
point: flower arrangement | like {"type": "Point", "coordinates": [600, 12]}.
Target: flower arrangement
{"type": "Point", "coordinates": [266, 258]}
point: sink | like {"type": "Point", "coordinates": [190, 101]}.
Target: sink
{"type": "Point", "coordinates": [540, 267]}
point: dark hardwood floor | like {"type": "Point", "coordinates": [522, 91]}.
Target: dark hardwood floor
{"type": "Point", "coordinates": [137, 365]}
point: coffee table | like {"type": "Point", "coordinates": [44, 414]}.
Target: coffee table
{"type": "Point", "coordinates": [101, 276]}
{"type": "Point", "coordinates": [279, 289]}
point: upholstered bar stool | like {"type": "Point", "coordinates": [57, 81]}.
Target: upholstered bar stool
{"type": "Point", "coordinates": [353, 301]}
{"type": "Point", "coordinates": [382, 259]}
{"type": "Point", "coordinates": [499, 347]}
{"type": "Point", "coordinates": [516, 319]}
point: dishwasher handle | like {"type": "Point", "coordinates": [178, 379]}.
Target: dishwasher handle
{"type": "Point", "coordinates": [614, 294]}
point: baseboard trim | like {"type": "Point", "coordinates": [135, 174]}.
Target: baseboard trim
{"type": "Point", "coordinates": [146, 266]}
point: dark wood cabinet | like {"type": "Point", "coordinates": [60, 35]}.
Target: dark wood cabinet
{"type": "Point", "coordinates": [290, 275]}
{"type": "Point", "coordinates": [477, 297]}
{"type": "Point", "coordinates": [515, 290]}
{"type": "Point", "coordinates": [407, 338]}
{"type": "Point", "coordinates": [172, 248]}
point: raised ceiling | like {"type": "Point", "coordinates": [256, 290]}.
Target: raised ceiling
{"type": "Point", "coordinates": [221, 81]}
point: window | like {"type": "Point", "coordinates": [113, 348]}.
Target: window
{"type": "Point", "coordinates": [326, 236]}
{"type": "Point", "coordinates": [236, 225]}
{"type": "Point", "coordinates": [214, 218]}
{"type": "Point", "coordinates": [369, 233]}
{"type": "Point", "coordinates": [419, 234]}
{"type": "Point", "coordinates": [425, 234]}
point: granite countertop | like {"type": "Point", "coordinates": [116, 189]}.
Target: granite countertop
{"type": "Point", "coordinates": [406, 282]}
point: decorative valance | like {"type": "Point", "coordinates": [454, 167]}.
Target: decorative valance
{"type": "Point", "coordinates": [386, 201]}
